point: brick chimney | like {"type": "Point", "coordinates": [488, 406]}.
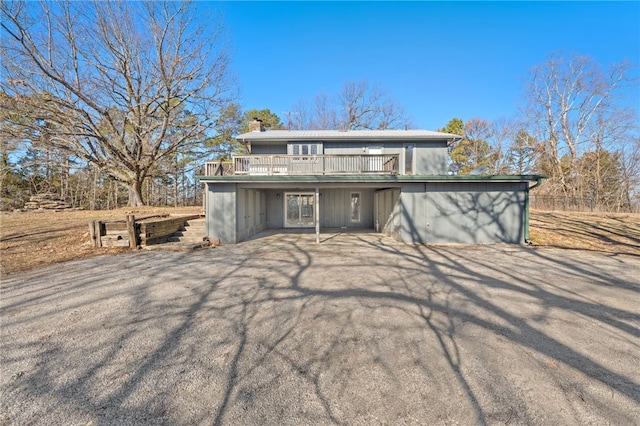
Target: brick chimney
{"type": "Point", "coordinates": [256, 125]}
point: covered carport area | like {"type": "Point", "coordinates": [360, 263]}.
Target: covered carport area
{"type": "Point", "coordinates": [243, 206]}
{"type": "Point", "coordinates": [411, 209]}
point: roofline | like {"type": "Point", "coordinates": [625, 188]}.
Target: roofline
{"type": "Point", "coordinates": [375, 135]}
{"type": "Point", "coordinates": [371, 178]}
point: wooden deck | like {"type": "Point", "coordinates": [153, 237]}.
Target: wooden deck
{"type": "Point", "coordinates": [286, 165]}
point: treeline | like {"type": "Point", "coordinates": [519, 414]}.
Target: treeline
{"type": "Point", "coordinates": [28, 169]}
{"type": "Point", "coordinates": [601, 178]}
{"type": "Point", "coordinates": [34, 172]}
{"type": "Point", "coordinates": [124, 106]}
{"type": "Point", "coordinates": [577, 126]}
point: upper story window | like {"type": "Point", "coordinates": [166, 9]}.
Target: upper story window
{"type": "Point", "coordinates": [304, 149]}
{"type": "Point", "coordinates": [409, 159]}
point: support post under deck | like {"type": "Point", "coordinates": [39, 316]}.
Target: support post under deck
{"type": "Point", "coordinates": [317, 214]}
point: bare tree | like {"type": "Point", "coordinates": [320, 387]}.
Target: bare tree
{"type": "Point", "coordinates": [368, 107]}
{"type": "Point", "coordinates": [299, 117]}
{"type": "Point", "coordinates": [357, 106]}
{"type": "Point", "coordinates": [565, 99]}
{"type": "Point", "coordinates": [630, 159]}
{"type": "Point", "coordinates": [502, 137]}
{"type": "Point", "coordinates": [325, 116]}
{"type": "Point", "coordinates": [478, 131]}
{"type": "Point", "coordinates": [120, 85]}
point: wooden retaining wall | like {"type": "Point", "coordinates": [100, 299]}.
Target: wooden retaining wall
{"type": "Point", "coordinates": [158, 231]}
{"type": "Point", "coordinates": [133, 232]}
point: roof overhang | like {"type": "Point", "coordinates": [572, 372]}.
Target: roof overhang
{"type": "Point", "coordinates": [346, 136]}
{"type": "Point", "coordinates": [373, 179]}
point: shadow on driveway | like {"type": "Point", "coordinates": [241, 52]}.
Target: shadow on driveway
{"type": "Point", "coordinates": [357, 330]}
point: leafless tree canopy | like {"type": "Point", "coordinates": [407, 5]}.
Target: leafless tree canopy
{"type": "Point", "coordinates": [358, 105]}
{"type": "Point", "coordinates": [118, 84]}
{"type": "Point", "coordinates": [573, 106]}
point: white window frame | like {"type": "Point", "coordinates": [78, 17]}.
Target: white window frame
{"type": "Point", "coordinates": [359, 195]}
{"type": "Point", "coordinates": [312, 148]}
{"type": "Point", "coordinates": [412, 162]}
{"type": "Point", "coordinates": [286, 208]}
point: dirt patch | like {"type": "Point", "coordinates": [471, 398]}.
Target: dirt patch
{"type": "Point", "coordinates": [33, 239]}
{"type": "Point", "coordinates": [29, 240]}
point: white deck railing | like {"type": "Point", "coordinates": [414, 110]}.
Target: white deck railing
{"type": "Point", "coordinates": [270, 165]}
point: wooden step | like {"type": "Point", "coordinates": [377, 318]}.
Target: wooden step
{"type": "Point", "coordinates": [194, 231]}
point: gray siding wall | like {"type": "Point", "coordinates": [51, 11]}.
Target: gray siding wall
{"type": "Point", "coordinates": [413, 205]}
{"type": "Point", "coordinates": [269, 149]}
{"type": "Point", "coordinates": [360, 148]}
{"type": "Point", "coordinates": [275, 209]}
{"type": "Point", "coordinates": [490, 212]}
{"type": "Point", "coordinates": [221, 212]}
{"type": "Point", "coordinates": [387, 215]}
{"type": "Point", "coordinates": [431, 159]}
{"type": "Point", "coordinates": [252, 212]}
{"type": "Point", "coordinates": [441, 213]}
{"type": "Point", "coordinates": [335, 208]}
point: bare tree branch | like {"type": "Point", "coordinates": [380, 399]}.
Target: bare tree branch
{"type": "Point", "coordinates": [119, 84]}
{"type": "Point", "coordinates": [357, 106]}
{"type": "Point", "coordinates": [567, 100]}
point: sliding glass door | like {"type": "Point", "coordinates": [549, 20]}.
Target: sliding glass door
{"type": "Point", "coordinates": [299, 210]}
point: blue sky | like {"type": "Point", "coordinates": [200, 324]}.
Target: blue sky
{"type": "Point", "coordinates": [437, 59]}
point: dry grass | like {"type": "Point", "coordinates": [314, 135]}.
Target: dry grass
{"type": "Point", "coordinates": [29, 240]}
{"type": "Point", "coordinates": [32, 239]}
{"type": "Point", "coordinates": [604, 232]}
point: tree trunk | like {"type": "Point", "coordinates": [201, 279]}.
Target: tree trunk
{"type": "Point", "coordinates": [135, 194]}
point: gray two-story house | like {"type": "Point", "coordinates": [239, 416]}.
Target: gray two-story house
{"type": "Point", "coordinates": [395, 182]}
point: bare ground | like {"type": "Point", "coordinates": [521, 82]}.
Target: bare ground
{"type": "Point", "coordinates": [601, 232]}
{"type": "Point", "coordinates": [357, 330]}
{"type": "Point", "coordinates": [295, 333]}
{"type": "Point", "coordinates": [28, 240]}
{"type": "Point", "coordinates": [32, 239]}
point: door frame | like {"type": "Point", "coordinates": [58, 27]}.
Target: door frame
{"type": "Point", "coordinates": [286, 210]}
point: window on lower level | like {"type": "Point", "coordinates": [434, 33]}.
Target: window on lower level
{"type": "Point", "coordinates": [355, 207]}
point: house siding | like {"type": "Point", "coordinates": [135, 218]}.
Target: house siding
{"type": "Point", "coordinates": [335, 208]}
{"type": "Point", "coordinates": [413, 203]}
{"type": "Point", "coordinates": [221, 212]}
{"type": "Point", "coordinates": [387, 211]}
{"type": "Point", "coordinates": [425, 208]}
{"type": "Point", "coordinates": [416, 213]}
{"type": "Point", "coordinates": [275, 209]}
{"type": "Point", "coordinates": [431, 159]}
{"type": "Point", "coordinates": [475, 213]}
{"type": "Point", "coordinates": [251, 212]}
{"type": "Point", "coordinates": [269, 149]}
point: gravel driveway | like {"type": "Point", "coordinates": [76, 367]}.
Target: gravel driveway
{"type": "Point", "coordinates": [357, 330]}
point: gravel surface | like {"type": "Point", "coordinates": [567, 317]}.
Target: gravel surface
{"type": "Point", "coordinates": [357, 330]}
